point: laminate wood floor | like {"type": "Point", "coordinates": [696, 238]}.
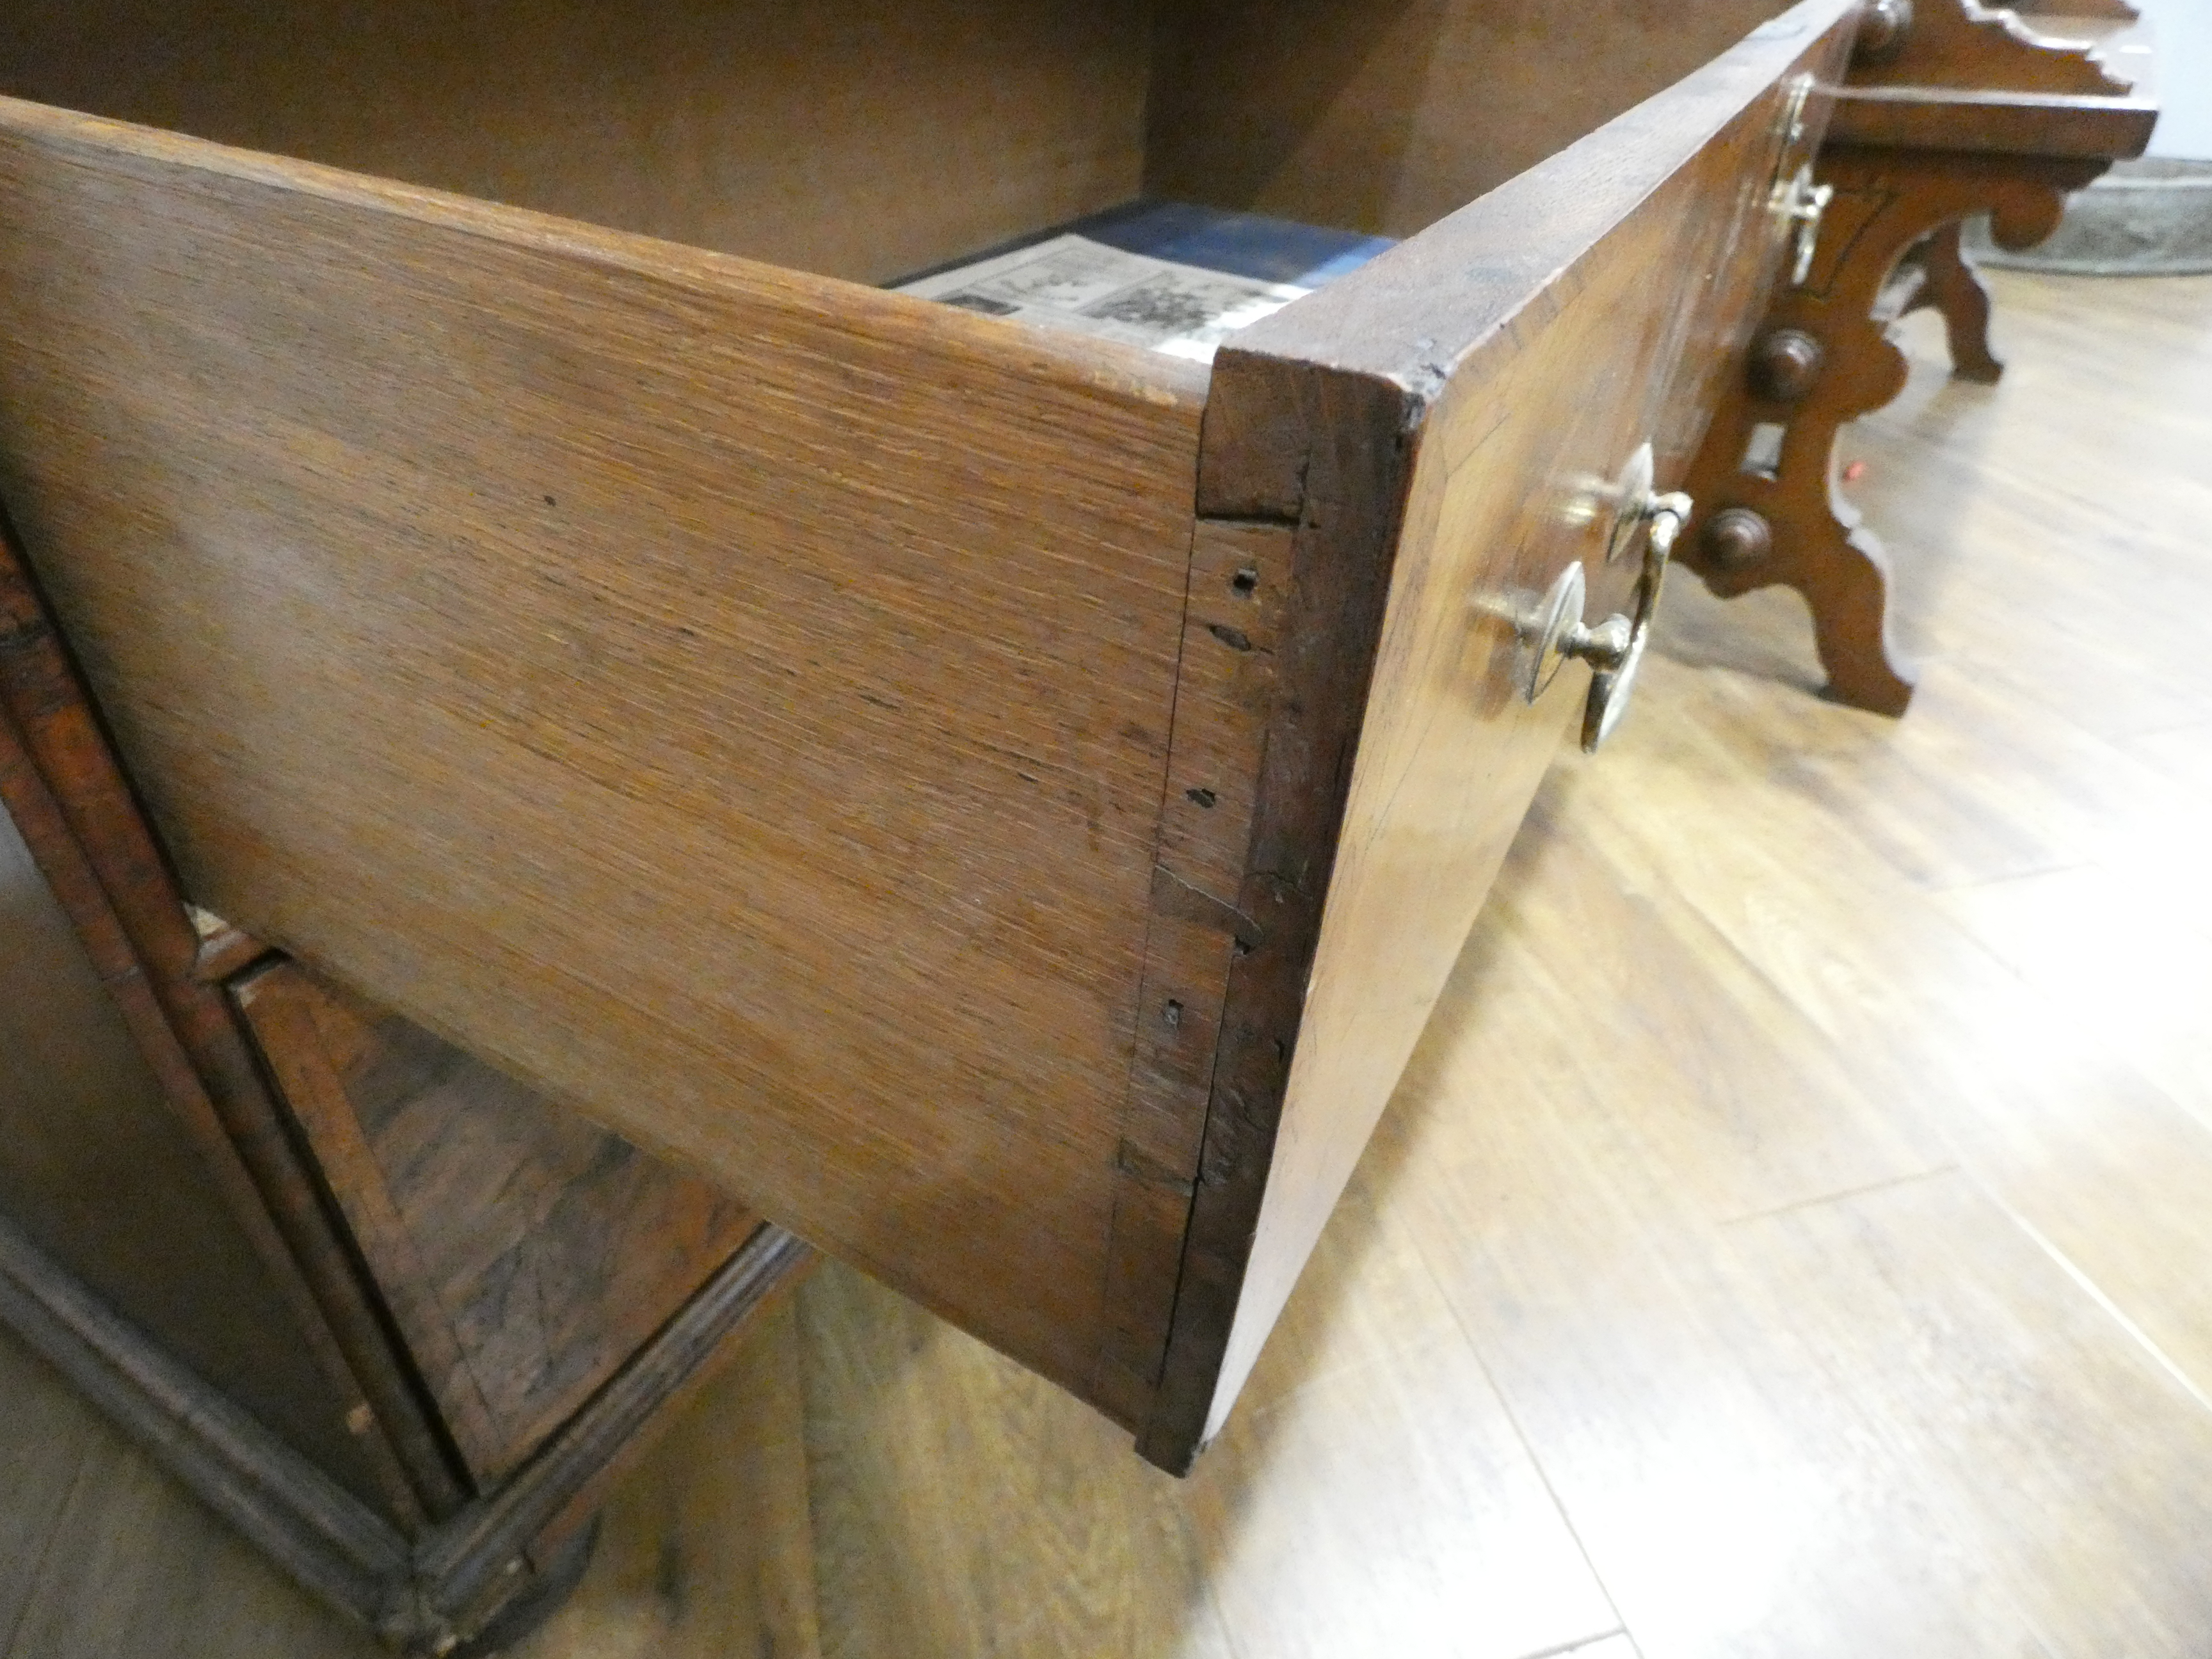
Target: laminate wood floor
{"type": "Point", "coordinates": [1794, 1237]}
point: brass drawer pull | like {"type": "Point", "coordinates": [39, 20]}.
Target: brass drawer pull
{"type": "Point", "coordinates": [1800, 204]}
{"type": "Point", "coordinates": [1614, 647]}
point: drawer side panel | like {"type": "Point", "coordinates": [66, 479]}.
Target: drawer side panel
{"type": "Point", "coordinates": [734, 703]}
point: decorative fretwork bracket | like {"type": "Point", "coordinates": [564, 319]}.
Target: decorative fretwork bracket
{"type": "Point", "coordinates": [1768, 507]}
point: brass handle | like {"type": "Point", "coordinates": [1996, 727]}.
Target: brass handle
{"type": "Point", "coordinates": [1614, 647]}
{"type": "Point", "coordinates": [1801, 203]}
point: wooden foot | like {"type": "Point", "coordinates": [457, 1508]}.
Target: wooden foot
{"type": "Point", "coordinates": [485, 1575]}
{"type": "Point", "coordinates": [1768, 508]}
{"type": "Point", "coordinates": [1848, 588]}
{"type": "Point", "coordinates": [542, 1596]}
{"type": "Point", "coordinates": [1948, 284]}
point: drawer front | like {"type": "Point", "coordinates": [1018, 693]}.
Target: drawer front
{"type": "Point", "coordinates": [1427, 443]}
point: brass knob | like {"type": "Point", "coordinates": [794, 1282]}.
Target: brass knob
{"type": "Point", "coordinates": [1604, 646]}
{"type": "Point", "coordinates": [1883, 27]}
{"type": "Point", "coordinates": [1614, 647]}
{"type": "Point", "coordinates": [1784, 363]}
{"type": "Point", "coordinates": [1735, 539]}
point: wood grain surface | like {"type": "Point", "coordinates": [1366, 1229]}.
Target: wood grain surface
{"type": "Point", "coordinates": [1233, 638]}
{"type": "Point", "coordinates": [420, 1593]}
{"type": "Point", "coordinates": [1967, 43]}
{"type": "Point", "coordinates": [1995, 122]}
{"type": "Point", "coordinates": [732, 701]}
{"type": "Point", "coordinates": [464, 1568]}
{"type": "Point", "coordinates": [1385, 117]}
{"type": "Point", "coordinates": [704, 1552]}
{"type": "Point", "coordinates": [531, 737]}
{"type": "Point", "coordinates": [526, 1252]}
{"type": "Point", "coordinates": [83, 1504]}
{"type": "Point", "coordinates": [864, 138]}
{"type": "Point", "coordinates": [1697, 1149]}
{"type": "Point", "coordinates": [1458, 402]}
{"type": "Point", "coordinates": [1684, 1284]}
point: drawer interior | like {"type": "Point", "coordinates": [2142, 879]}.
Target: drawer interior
{"type": "Point", "coordinates": [873, 139]}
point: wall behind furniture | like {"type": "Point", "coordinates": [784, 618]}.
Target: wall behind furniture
{"type": "Point", "coordinates": [2184, 77]}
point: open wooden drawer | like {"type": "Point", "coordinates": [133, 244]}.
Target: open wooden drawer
{"type": "Point", "coordinates": [1002, 803]}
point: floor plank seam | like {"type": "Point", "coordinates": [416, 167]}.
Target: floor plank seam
{"type": "Point", "coordinates": [36, 1583]}
{"type": "Point", "coordinates": [2112, 1310]}
{"type": "Point", "coordinates": [1978, 884]}
{"type": "Point", "coordinates": [1840, 1196]}
{"type": "Point", "coordinates": [1579, 1644]}
{"type": "Point", "coordinates": [1535, 1463]}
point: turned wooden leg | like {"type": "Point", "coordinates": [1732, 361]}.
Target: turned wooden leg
{"type": "Point", "coordinates": [1768, 509]}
